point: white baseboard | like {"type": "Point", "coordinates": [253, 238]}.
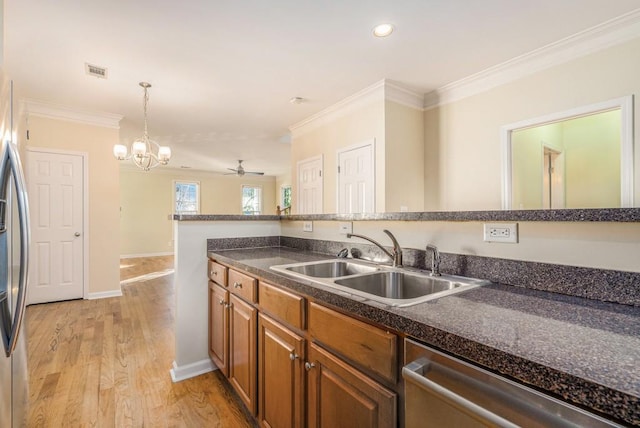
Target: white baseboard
{"type": "Point", "coordinates": [135, 256]}
{"type": "Point", "coordinates": [191, 370]}
{"type": "Point", "coordinates": [105, 294]}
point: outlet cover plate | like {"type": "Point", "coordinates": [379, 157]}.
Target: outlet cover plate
{"type": "Point", "coordinates": [307, 226]}
{"type": "Point", "coordinates": [501, 232]}
{"type": "Point", "coordinates": [345, 227]}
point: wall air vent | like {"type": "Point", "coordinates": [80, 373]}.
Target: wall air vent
{"type": "Point", "coordinates": [96, 71]}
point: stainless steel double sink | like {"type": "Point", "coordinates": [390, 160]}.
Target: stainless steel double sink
{"type": "Point", "coordinates": [391, 286]}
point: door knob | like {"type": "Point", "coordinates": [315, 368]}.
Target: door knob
{"type": "Point", "coordinates": [77, 234]}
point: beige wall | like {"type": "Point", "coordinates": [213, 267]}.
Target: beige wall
{"type": "Point", "coordinates": [593, 161]}
{"type": "Point", "coordinates": [398, 132]}
{"type": "Point", "coordinates": [358, 125]}
{"type": "Point", "coordinates": [146, 204]}
{"type": "Point", "coordinates": [464, 135]}
{"type": "Point", "coordinates": [527, 163]}
{"type": "Point", "coordinates": [103, 190]}
{"type": "Point", "coordinates": [404, 163]}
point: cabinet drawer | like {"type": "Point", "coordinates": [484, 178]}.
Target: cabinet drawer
{"type": "Point", "coordinates": [243, 285]}
{"type": "Point", "coordinates": [218, 273]}
{"type": "Point", "coordinates": [281, 304]}
{"type": "Point", "coordinates": [370, 347]}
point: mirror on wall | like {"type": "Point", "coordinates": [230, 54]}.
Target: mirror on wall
{"type": "Point", "coordinates": [576, 159]}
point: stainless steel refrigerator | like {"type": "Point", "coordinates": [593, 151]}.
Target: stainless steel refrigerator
{"type": "Point", "coordinates": [14, 251]}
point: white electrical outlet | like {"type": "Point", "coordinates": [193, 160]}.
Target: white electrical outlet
{"type": "Point", "coordinates": [501, 232]}
{"type": "Point", "coordinates": [345, 227]}
{"type": "Point", "coordinates": [307, 226]}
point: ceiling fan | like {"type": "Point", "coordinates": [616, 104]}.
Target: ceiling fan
{"type": "Point", "coordinates": [239, 171]}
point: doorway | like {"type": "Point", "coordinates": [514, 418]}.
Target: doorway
{"type": "Point", "coordinates": [310, 186]}
{"type": "Point", "coordinates": [356, 189]}
{"type": "Point", "coordinates": [56, 185]}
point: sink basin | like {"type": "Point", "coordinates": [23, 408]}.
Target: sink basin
{"type": "Point", "coordinates": [330, 269]}
{"type": "Point", "coordinates": [387, 285]}
{"type": "Point", "coordinates": [399, 285]}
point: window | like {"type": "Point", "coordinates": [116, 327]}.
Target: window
{"type": "Point", "coordinates": [251, 200]}
{"type": "Point", "coordinates": [186, 197]}
{"type": "Point", "coordinates": [285, 196]}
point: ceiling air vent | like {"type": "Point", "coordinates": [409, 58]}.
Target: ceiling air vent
{"type": "Point", "coordinates": [94, 70]}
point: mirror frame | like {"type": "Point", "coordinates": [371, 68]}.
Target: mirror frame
{"type": "Point", "coordinates": [625, 104]}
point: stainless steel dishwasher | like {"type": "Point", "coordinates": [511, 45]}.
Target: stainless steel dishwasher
{"type": "Point", "coordinates": [442, 391]}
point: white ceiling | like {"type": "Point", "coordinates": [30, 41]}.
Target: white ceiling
{"type": "Point", "coordinates": [223, 71]}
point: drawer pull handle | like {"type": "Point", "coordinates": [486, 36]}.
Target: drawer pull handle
{"type": "Point", "coordinates": [308, 366]}
{"type": "Point", "coordinates": [237, 285]}
{"type": "Point", "coordinates": [293, 356]}
{"type": "Point", "coordinates": [214, 273]}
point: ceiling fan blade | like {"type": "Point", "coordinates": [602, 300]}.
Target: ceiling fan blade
{"type": "Point", "coordinates": [234, 170]}
{"type": "Point", "coordinates": [253, 173]}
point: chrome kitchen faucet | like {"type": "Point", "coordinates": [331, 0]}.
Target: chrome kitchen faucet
{"type": "Point", "coordinates": [395, 255]}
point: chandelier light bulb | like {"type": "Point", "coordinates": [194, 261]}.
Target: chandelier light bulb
{"type": "Point", "coordinates": [120, 151]}
{"type": "Point", "coordinates": [139, 148]}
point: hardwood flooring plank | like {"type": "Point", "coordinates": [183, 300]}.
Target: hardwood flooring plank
{"type": "Point", "coordinates": [105, 362]}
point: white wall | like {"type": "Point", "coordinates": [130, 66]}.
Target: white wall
{"type": "Point", "coordinates": [191, 288]}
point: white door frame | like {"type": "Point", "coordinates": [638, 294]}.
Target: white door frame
{"type": "Point", "coordinates": [298, 164]}
{"type": "Point", "coordinates": [367, 143]}
{"type": "Point", "coordinates": [85, 208]}
{"type": "Point", "coordinates": [625, 104]}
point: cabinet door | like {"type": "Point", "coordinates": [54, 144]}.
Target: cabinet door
{"type": "Point", "coordinates": [341, 396]}
{"type": "Point", "coordinates": [219, 327]}
{"type": "Point", "coordinates": [280, 381]}
{"type": "Point", "coordinates": [242, 350]}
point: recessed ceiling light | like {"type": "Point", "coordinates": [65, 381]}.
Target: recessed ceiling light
{"type": "Point", "coordinates": [382, 30]}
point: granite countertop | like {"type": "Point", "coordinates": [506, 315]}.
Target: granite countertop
{"type": "Point", "coordinates": [584, 351]}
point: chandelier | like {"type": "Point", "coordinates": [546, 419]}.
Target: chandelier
{"type": "Point", "coordinates": [145, 153]}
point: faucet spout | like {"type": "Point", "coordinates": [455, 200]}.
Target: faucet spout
{"type": "Point", "coordinates": [435, 260]}
{"type": "Point", "coordinates": [395, 255]}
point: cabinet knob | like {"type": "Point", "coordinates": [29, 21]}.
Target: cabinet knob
{"type": "Point", "coordinates": [293, 356]}
{"type": "Point", "coordinates": [214, 273]}
{"type": "Point", "coordinates": [237, 285]}
{"type": "Point", "coordinates": [228, 305]}
{"type": "Point", "coordinates": [308, 366]}
{"type": "Point", "coordinates": [221, 302]}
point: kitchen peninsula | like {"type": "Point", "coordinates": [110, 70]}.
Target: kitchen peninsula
{"type": "Point", "coordinates": [579, 349]}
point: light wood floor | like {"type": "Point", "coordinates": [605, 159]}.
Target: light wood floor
{"type": "Point", "coordinates": [105, 363]}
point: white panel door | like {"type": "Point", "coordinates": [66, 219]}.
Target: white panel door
{"type": "Point", "coordinates": [55, 185]}
{"type": "Point", "coordinates": [356, 183]}
{"type": "Point", "coordinates": [310, 186]}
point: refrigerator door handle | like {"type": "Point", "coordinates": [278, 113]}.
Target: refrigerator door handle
{"type": "Point", "coordinates": [11, 336]}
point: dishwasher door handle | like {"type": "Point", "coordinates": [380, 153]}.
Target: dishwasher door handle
{"type": "Point", "coordinates": [413, 373]}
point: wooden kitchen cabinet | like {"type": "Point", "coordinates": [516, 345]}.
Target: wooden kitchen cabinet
{"type": "Point", "coordinates": [296, 363]}
{"type": "Point", "coordinates": [281, 360]}
{"type": "Point", "coordinates": [242, 350]}
{"type": "Point", "coordinates": [338, 395]}
{"type": "Point", "coordinates": [219, 327]}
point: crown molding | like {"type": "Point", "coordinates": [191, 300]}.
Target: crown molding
{"type": "Point", "coordinates": [61, 112]}
{"type": "Point", "coordinates": [594, 39]}
{"type": "Point", "coordinates": [383, 90]}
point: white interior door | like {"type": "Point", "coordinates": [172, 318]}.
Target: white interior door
{"type": "Point", "coordinates": [55, 183]}
{"type": "Point", "coordinates": [310, 186]}
{"type": "Point", "coordinates": [356, 183]}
